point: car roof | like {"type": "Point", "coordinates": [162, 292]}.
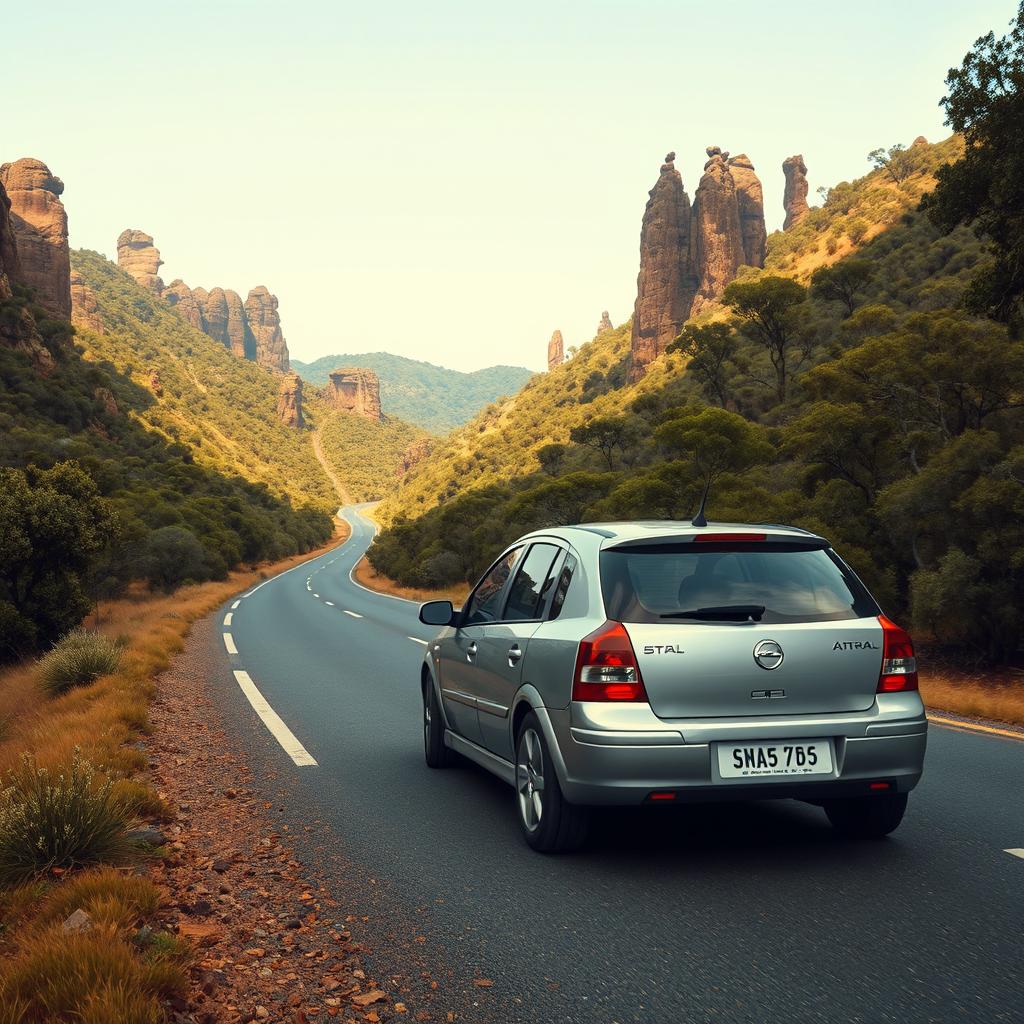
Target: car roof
{"type": "Point", "coordinates": [614, 533]}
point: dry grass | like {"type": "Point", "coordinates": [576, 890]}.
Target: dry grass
{"type": "Point", "coordinates": [373, 580]}
{"type": "Point", "coordinates": [105, 976]}
{"type": "Point", "coordinates": [964, 694]}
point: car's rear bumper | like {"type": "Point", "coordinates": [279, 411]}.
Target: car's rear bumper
{"type": "Point", "coordinates": [626, 765]}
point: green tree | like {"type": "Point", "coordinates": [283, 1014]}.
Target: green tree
{"type": "Point", "coordinates": [841, 282]}
{"type": "Point", "coordinates": [769, 308]}
{"type": "Point", "coordinates": [710, 349]}
{"type": "Point", "coordinates": [896, 161]}
{"type": "Point", "coordinates": [551, 458]}
{"type": "Point", "coordinates": [985, 187]}
{"type": "Point", "coordinates": [607, 435]}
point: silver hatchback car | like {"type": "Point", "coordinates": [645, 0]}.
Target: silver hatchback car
{"type": "Point", "coordinates": [664, 662]}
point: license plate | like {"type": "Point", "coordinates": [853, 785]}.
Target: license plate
{"type": "Point", "coordinates": [781, 758]}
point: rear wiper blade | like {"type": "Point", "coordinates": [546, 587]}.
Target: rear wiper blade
{"type": "Point", "coordinates": [723, 613]}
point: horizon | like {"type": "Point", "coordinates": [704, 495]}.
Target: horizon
{"type": "Point", "coordinates": [452, 223]}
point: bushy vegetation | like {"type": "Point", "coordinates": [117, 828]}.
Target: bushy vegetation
{"type": "Point", "coordinates": [148, 452]}
{"type": "Point", "coordinates": [366, 454]}
{"type": "Point", "coordinates": [432, 397]}
{"type": "Point", "coordinates": [77, 659]}
{"type": "Point", "coordinates": [58, 818]}
{"type": "Point", "coordinates": [853, 396]}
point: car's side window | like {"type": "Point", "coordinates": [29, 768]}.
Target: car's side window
{"type": "Point", "coordinates": [485, 602]}
{"type": "Point", "coordinates": [528, 592]}
{"type": "Point", "coordinates": [562, 586]}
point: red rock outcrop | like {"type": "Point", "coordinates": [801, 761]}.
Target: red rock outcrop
{"type": "Point", "coordinates": [354, 390]}
{"type": "Point", "coordinates": [40, 226]}
{"type": "Point", "coordinates": [416, 453]}
{"type": "Point", "coordinates": [716, 238]}
{"type": "Point", "coordinates": [794, 198]}
{"type": "Point", "coordinates": [17, 327]}
{"type": "Point", "coordinates": [556, 351]}
{"type": "Point", "coordinates": [85, 312]}
{"type": "Point", "coordinates": [265, 324]}
{"type": "Point", "coordinates": [106, 398]}
{"type": "Point", "coordinates": [186, 303]}
{"type": "Point", "coordinates": [666, 283]}
{"type": "Point", "coordinates": [750, 199]}
{"type": "Point", "coordinates": [605, 324]}
{"type": "Point", "coordinates": [289, 401]}
{"type": "Point", "coordinates": [139, 257]}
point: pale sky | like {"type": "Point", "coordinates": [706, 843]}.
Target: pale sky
{"type": "Point", "coordinates": [449, 181]}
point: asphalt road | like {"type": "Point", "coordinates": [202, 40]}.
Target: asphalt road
{"type": "Point", "coordinates": [747, 912]}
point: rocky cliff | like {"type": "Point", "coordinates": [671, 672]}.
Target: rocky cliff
{"type": "Point", "coordinates": [689, 254]}
{"type": "Point", "coordinates": [265, 324]}
{"type": "Point", "coordinates": [666, 284]}
{"type": "Point", "coordinates": [139, 257]}
{"type": "Point", "coordinates": [289, 401]}
{"type": "Point", "coordinates": [556, 350]}
{"type": "Point", "coordinates": [354, 390]}
{"type": "Point", "coordinates": [85, 312]}
{"type": "Point", "coordinates": [414, 455]}
{"type": "Point", "coordinates": [250, 329]}
{"type": "Point", "coordinates": [39, 225]}
{"type": "Point", "coordinates": [605, 324]}
{"type": "Point", "coordinates": [794, 198]}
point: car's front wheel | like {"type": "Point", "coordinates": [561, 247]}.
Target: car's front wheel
{"type": "Point", "coordinates": [867, 817]}
{"type": "Point", "coordinates": [549, 822]}
{"type": "Point", "coordinates": [436, 753]}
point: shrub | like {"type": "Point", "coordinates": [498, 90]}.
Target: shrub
{"type": "Point", "coordinates": [105, 894]}
{"type": "Point", "coordinates": [58, 819]}
{"type": "Point", "coordinates": [79, 658]}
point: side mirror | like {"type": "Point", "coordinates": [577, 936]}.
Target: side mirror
{"type": "Point", "coordinates": [437, 613]}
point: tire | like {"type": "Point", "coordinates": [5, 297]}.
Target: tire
{"type": "Point", "coordinates": [437, 755]}
{"type": "Point", "coordinates": [867, 817]}
{"type": "Point", "coordinates": [550, 824]}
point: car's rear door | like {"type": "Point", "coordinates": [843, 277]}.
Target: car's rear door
{"type": "Point", "coordinates": [502, 645]}
{"type": "Point", "coordinates": [460, 650]}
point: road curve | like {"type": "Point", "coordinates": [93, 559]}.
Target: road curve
{"type": "Point", "coordinates": [749, 912]}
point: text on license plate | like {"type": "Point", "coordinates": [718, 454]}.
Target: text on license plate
{"type": "Point", "coordinates": [785, 757]}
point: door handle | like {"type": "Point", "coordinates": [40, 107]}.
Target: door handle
{"type": "Point", "coordinates": [471, 651]}
{"type": "Point", "coordinates": [514, 654]}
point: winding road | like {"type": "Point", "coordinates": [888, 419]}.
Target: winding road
{"type": "Point", "coordinates": [749, 912]}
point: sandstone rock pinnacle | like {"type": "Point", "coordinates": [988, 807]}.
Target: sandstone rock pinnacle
{"type": "Point", "coordinates": [40, 229]}
{"type": "Point", "coordinates": [139, 257]}
{"type": "Point", "coordinates": [794, 199]}
{"type": "Point", "coordinates": [355, 390]}
{"type": "Point", "coordinates": [289, 401]}
{"type": "Point", "coordinates": [556, 351]}
{"type": "Point", "coordinates": [750, 199]}
{"type": "Point", "coordinates": [85, 311]}
{"type": "Point", "coordinates": [265, 324]}
{"type": "Point", "coordinates": [716, 245]}
{"type": "Point", "coordinates": [605, 324]}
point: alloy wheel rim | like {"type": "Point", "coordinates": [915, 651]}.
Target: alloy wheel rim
{"type": "Point", "coordinates": [426, 719]}
{"type": "Point", "coordinates": [530, 779]}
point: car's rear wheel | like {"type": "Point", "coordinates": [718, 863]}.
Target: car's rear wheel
{"type": "Point", "coordinates": [549, 822]}
{"type": "Point", "coordinates": [436, 753]}
{"type": "Point", "coordinates": [867, 817]}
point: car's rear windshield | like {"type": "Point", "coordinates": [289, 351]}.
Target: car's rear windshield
{"type": "Point", "coordinates": [730, 582]}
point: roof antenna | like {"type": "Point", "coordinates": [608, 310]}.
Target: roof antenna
{"type": "Point", "coordinates": [700, 519]}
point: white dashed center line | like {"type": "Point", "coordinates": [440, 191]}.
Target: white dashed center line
{"type": "Point", "coordinates": [1015, 852]}
{"type": "Point", "coordinates": [228, 618]}
{"type": "Point", "coordinates": [236, 604]}
{"type": "Point", "coordinates": [229, 643]}
{"type": "Point", "coordinates": [331, 603]}
{"type": "Point", "coordinates": [317, 596]}
{"type": "Point", "coordinates": [272, 720]}
{"type": "Point", "coordinates": [417, 640]}
{"type": "Point", "coordinates": [355, 615]}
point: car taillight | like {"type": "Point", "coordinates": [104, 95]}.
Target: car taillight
{"type": "Point", "coordinates": [606, 667]}
{"type": "Point", "coordinates": [899, 666]}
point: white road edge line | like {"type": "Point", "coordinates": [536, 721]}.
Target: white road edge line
{"type": "Point", "coordinates": [355, 615]}
{"type": "Point", "coordinates": [229, 643]}
{"type": "Point", "coordinates": [228, 618]}
{"type": "Point", "coordinates": [272, 720]}
{"type": "Point", "coordinates": [417, 640]}
{"type": "Point", "coordinates": [236, 604]}
{"type": "Point", "coordinates": [308, 587]}
{"type": "Point", "coordinates": [1015, 852]}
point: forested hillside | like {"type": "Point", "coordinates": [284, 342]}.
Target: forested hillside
{"type": "Point", "coordinates": [429, 396]}
{"type": "Point", "coordinates": [844, 388]}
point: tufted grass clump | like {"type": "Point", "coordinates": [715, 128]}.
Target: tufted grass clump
{"type": "Point", "coordinates": [79, 658]}
{"type": "Point", "coordinates": [59, 818]}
